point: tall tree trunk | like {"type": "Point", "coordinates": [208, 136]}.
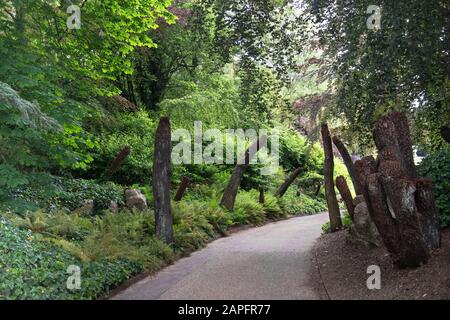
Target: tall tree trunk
{"type": "Point", "coordinates": [185, 182]}
{"type": "Point", "coordinates": [401, 205]}
{"type": "Point", "coordinates": [117, 162]}
{"type": "Point", "coordinates": [403, 136]}
{"type": "Point", "coordinates": [285, 186]}
{"type": "Point", "coordinates": [348, 163]}
{"type": "Point", "coordinates": [328, 172]}
{"type": "Point", "coordinates": [413, 251]}
{"type": "Point", "coordinates": [130, 89]}
{"type": "Point", "coordinates": [445, 133]}
{"type": "Point", "coordinates": [230, 193]}
{"type": "Point", "coordinates": [428, 214]}
{"type": "Point", "coordinates": [161, 181]}
{"type": "Point", "coordinates": [262, 199]}
{"type": "Point", "coordinates": [346, 195]}
{"type": "Point", "coordinates": [319, 186]}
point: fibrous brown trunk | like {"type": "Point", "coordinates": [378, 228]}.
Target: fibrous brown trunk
{"type": "Point", "coordinates": [403, 136]}
{"type": "Point", "coordinates": [328, 172]}
{"type": "Point", "coordinates": [346, 195]}
{"type": "Point", "coordinates": [185, 182]}
{"type": "Point", "coordinates": [285, 186]}
{"type": "Point", "coordinates": [319, 186]}
{"type": "Point", "coordinates": [400, 198]}
{"type": "Point", "coordinates": [445, 133]}
{"type": "Point", "coordinates": [401, 205]}
{"type": "Point", "coordinates": [429, 219]}
{"type": "Point", "coordinates": [161, 181]}
{"type": "Point", "coordinates": [230, 193]}
{"type": "Point", "coordinates": [117, 162]}
{"type": "Point", "coordinates": [262, 199]}
{"type": "Point", "coordinates": [348, 163]}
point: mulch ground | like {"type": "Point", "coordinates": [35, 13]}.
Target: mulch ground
{"type": "Point", "coordinates": [342, 272]}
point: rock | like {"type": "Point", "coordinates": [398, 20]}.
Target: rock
{"type": "Point", "coordinates": [87, 208]}
{"type": "Point", "coordinates": [113, 207]}
{"type": "Point", "coordinates": [363, 229]}
{"type": "Point", "coordinates": [135, 199]}
{"type": "Point", "coordinates": [358, 199]}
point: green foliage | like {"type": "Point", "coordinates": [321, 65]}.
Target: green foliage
{"type": "Point", "coordinates": [57, 224]}
{"type": "Point", "coordinates": [27, 141]}
{"type": "Point", "coordinates": [50, 192]}
{"type": "Point", "coordinates": [101, 49]}
{"type": "Point", "coordinates": [182, 57]}
{"type": "Point", "coordinates": [23, 127]}
{"type": "Point", "coordinates": [271, 207]}
{"type": "Point", "coordinates": [133, 241]}
{"type": "Point", "coordinates": [409, 52]}
{"type": "Point", "coordinates": [265, 32]}
{"type": "Point", "coordinates": [294, 203]}
{"type": "Point", "coordinates": [225, 63]}
{"type": "Point", "coordinates": [197, 221]}
{"type": "Point", "coordinates": [63, 71]}
{"type": "Point", "coordinates": [112, 247]}
{"type": "Point", "coordinates": [293, 150]}
{"type": "Point", "coordinates": [116, 131]}
{"type": "Point", "coordinates": [261, 92]}
{"type": "Point", "coordinates": [247, 209]}
{"type": "Point", "coordinates": [35, 269]}
{"type": "Point", "coordinates": [202, 100]}
{"type": "Point", "coordinates": [436, 167]}
{"type": "Point", "coordinates": [191, 226]}
{"type": "Point", "coordinates": [218, 217]}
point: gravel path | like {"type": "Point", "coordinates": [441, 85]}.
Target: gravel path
{"type": "Point", "coordinates": [271, 262]}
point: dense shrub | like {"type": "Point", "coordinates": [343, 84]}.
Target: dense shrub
{"type": "Point", "coordinates": [34, 269]}
{"type": "Point", "coordinates": [57, 224]}
{"type": "Point", "coordinates": [437, 168]}
{"type": "Point", "coordinates": [271, 207]}
{"type": "Point", "coordinates": [136, 130]}
{"type": "Point", "coordinates": [247, 209]}
{"type": "Point", "coordinates": [293, 150]}
{"type": "Point", "coordinates": [110, 248]}
{"type": "Point", "coordinates": [127, 235]}
{"type": "Point", "coordinates": [56, 192]}
{"type": "Point", "coordinates": [191, 228]}
{"type": "Point", "coordinates": [301, 204]}
{"type": "Point", "coordinates": [32, 140]}
{"type": "Point", "coordinates": [197, 221]}
{"type": "Point", "coordinates": [203, 100]}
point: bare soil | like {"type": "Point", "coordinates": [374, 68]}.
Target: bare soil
{"type": "Point", "coordinates": [342, 272]}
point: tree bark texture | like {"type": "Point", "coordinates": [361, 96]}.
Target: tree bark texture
{"type": "Point", "coordinates": [117, 162]}
{"type": "Point", "coordinates": [346, 195]}
{"type": "Point", "coordinates": [161, 181]}
{"type": "Point", "coordinates": [185, 182]}
{"type": "Point", "coordinates": [328, 172]}
{"type": "Point", "coordinates": [401, 205]}
{"type": "Point", "coordinates": [230, 193]}
{"type": "Point", "coordinates": [262, 198]}
{"type": "Point", "coordinates": [285, 186]}
{"type": "Point", "coordinates": [348, 163]}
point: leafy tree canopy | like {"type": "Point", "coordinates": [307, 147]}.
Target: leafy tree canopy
{"type": "Point", "coordinates": [403, 66]}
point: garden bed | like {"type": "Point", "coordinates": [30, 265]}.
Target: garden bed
{"type": "Point", "coordinates": [343, 271]}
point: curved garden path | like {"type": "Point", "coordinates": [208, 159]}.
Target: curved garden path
{"type": "Point", "coordinates": [266, 263]}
